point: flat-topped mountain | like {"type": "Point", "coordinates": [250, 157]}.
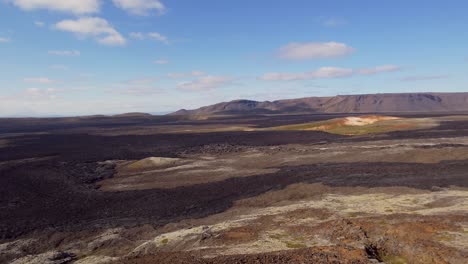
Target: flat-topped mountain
{"type": "Point", "coordinates": [365, 103]}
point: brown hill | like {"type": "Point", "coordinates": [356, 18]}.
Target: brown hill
{"type": "Point", "coordinates": [367, 103]}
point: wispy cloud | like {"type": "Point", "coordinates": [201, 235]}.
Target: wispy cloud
{"type": "Point", "coordinates": [416, 78]}
{"type": "Point", "coordinates": [161, 62]}
{"type": "Point", "coordinates": [182, 75]}
{"type": "Point", "coordinates": [44, 93]}
{"type": "Point", "coordinates": [68, 53]}
{"type": "Point", "coordinates": [39, 23]}
{"type": "Point", "coordinates": [158, 37]}
{"type": "Point", "coordinates": [322, 73]}
{"type": "Point", "coordinates": [141, 7]}
{"type": "Point", "coordinates": [205, 83]}
{"type": "Point", "coordinates": [150, 35]}
{"type": "Point", "coordinates": [379, 69]}
{"type": "Point", "coordinates": [314, 50]}
{"type": "Point", "coordinates": [94, 27]}
{"type": "Point", "coordinates": [83, 7]}
{"type": "Point", "coordinates": [39, 80]}
{"type": "Point", "coordinates": [5, 40]}
{"type": "Point", "coordinates": [327, 73]}
{"type": "Point", "coordinates": [78, 7]}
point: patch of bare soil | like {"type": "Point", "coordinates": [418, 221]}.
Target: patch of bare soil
{"type": "Point", "coordinates": [366, 120]}
{"type": "Point", "coordinates": [151, 163]}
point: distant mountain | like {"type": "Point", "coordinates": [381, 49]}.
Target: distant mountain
{"type": "Point", "coordinates": [366, 103]}
{"type": "Point", "coordinates": [133, 114]}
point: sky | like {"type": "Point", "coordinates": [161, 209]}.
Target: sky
{"type": "Point", "coordinates": [85, 57]}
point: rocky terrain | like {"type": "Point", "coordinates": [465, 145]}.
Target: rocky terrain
{"type": "Point", "coordinates": [235, 189]}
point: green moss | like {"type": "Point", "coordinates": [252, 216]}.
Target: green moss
{"type": "Point", "coordinates": [306, 126]}
{"type": "Point", "coordinates": [301, 239]}
{"type": "Point", "coordinates": [360, 130]}
{"type": "Point", "coordinates": [291, 244]}
{"type": "Point", "coordinates": [165, 241]}
{"type": "Point", "coordinates": [336, 127]}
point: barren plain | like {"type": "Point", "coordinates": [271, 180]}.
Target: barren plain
{"type": "Point", "coordinates": [325, 188]}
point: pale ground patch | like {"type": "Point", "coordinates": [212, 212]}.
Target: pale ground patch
{"type": "Point", "coordinates": [407, 151]}
{"type": "Point", "coordinates": [382, 204]}
{"type": "Point", "coordinates": [458, 240]}
{"type": "Point", "coordinates": [50, 257]}
{"type": "Point", "coordinates": [366, 120]}
{"type": "Point", "coordinates": [16, 247]}
{"type": "Point", "coordinates": [190, 169]}
{"type": "Point", "coordinates": [372, 203]}
{"type": "Point", "coordinates": [182, 172]}
{"type": "Point", "coordinates": [152, 163]}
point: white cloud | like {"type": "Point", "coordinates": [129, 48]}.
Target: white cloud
{"type": "Point", "coordinates": [78, 7]}
{"type": "Point", "coordinates": [94, 27]}
{"type": "Point", "coordinates": [39, 23]}
{"type": "Point", "coordinates": [48, 93]}
{"type": "Point", "coordinates": [423, 78]}
{"type": "Point", "coordinates": [161, 62]}
{"type": "Point", "coordinates": [327, 73]}
{"type": "Point", "coordinates": [322, 73]}
{"type": "Point", "coordinates": [151, 35]}
{"type": "Point", "coordinates": [5, 40]}
{"type": "Point", "coordinates": [185, 75]}
{"type": "Point", "coordinates": [39, 80]}
{"type": "Point", "coordinates": [158, 37]}
{"type": "Point", "coordinates": [205, 83]}
{"type": "Point", "coordinates": [314, 50]}
{"type": "Point", "coordinates": [379, 69]}
{"type": "Point", "coordinates": [141, 7]}
{"type": "Point", "coordinates": [69, 53]}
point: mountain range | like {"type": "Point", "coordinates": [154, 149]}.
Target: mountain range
{"type": "Point", "coordinates": [364, 103]}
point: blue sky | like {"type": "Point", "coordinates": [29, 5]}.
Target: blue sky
{"type": "Point", "coordinates": [82, 57]}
